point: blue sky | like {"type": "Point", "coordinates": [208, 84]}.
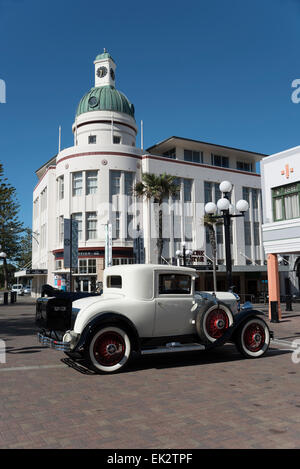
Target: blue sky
{"type": "Point", "coordinates": [210, 70]}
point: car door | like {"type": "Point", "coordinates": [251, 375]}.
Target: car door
{"type": "Point", "coordinates": [173, 304]}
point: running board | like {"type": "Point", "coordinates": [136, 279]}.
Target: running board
{"type": "Point", "coordinates": [174, 347]}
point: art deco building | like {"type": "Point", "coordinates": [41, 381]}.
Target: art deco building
{"type": "Point", "coordinates": [92, 182]}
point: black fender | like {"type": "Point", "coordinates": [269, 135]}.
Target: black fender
{"type": "Point", "coordinates": [104, 318]}
{"type": "Point", "coordinates": [238, 319]}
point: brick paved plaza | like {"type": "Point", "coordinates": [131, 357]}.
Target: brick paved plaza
{"type": "Point", "coordinates": [198, 400]}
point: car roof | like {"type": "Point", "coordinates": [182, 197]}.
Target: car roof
{"type": "Point", "coordinates": [125, 268]}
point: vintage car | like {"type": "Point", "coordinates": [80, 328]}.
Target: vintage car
{"type": "Point", "coordinates": [148, 309]}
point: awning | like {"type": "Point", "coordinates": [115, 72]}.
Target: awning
{"type": "Point", "coordinates": [31, 273]}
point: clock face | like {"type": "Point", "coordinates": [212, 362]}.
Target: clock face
{"type": "Point", "coordinates": [93, 101]}
{"type": "Point", "coordinates": [101, 72]}
{"type": "Point", "coordinates": [112, 73]}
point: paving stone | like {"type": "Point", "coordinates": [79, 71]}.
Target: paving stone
{"type": "Point", "coordinates": [199, 400]}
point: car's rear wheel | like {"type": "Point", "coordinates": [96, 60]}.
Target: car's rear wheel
{"type": "Point", "coordinates": [109, 349]}
{"type": "Point", "coordinates": [213, 322]}
{"type": "Point", "coordinates": [253, 338]}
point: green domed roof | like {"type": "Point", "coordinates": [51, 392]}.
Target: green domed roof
{"type": "Point", "coordinates": [105, 98]}
{"type": "Point", "coordinates": [104, 55]}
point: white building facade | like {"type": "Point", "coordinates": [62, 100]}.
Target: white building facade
{"type": "Point", "coordinates": [92, 183]}
{"type": "Point", "coordinates": [281, 227]}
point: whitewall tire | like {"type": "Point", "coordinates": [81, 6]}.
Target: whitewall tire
{"type": "Point", "coordinates": [253, 338]}
{"type": "Point", "coordinates": [109, 349]}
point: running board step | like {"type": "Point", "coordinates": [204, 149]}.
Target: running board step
{"type": "Point", "coordinates": [174, 347]}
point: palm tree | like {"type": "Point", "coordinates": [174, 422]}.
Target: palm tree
{"type": "Point", "coordinates": [157, 188]}
{"type": "Point", "coordinates": [210, 222]}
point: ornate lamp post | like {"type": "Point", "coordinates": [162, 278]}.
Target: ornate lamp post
{"type": "Point", "coordinates": [184, 254]}
{"type": "Point", "coordinates": [226, 210]}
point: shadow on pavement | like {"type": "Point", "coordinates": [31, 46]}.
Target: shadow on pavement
{"type": "Point", "coordinates": [175, 360]}
{"type": "Point", "coordinates": [24, 350]}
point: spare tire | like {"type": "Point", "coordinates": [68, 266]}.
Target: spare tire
{"type": "Point", "coordinates": [212, 321]}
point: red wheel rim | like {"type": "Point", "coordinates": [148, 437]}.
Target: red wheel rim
{"type": "Point", "coordinates": [254, 337]}
{"type": "Point", "coordinates": [109, 348]}
{"type": "Point", "coordinates": [217, 322]}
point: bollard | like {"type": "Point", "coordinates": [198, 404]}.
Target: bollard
{"type": "Point", "coordinates": [288, 303]}
{"type": "Point", "coordinates": [274, 311]}
{"type": "Point", "coordinates": [5, 301]}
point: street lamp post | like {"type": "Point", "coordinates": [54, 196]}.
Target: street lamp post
{"type": "Point", "coordinates": [185, 253]}
{"type": "Point", "coordinates": [226, 209]}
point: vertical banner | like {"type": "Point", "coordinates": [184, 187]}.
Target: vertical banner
{"type": "Point", "coordinates": [70, 243]}
{"type": "Point", "coordinates": [108, 245]}
{"type": "Point", "coordinates": [74, 244]}
{"type": "Point", "coordinates": [141, 248]}
{"type": "Point", "coordinates": [67, 243]}
{"type": "Point", "coordinates": [138, 247]}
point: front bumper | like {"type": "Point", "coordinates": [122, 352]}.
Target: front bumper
{"type": "Point", "coordinates": [53, 343]}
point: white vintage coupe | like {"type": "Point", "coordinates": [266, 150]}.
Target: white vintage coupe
{"type": "Point", "coordinates": [147, 309]}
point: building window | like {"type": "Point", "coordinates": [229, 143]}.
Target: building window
{"type": "Point", "coordinates": [208, 196]}
{"type": "Point", "coordinates": [219, 233]}
{"type": "Point", "coordinates": [116, 139]}
{"type": "Point", "coordinates": [194, 156]}
{"type": "Point", "coordinates": [221, 161]}
{"type": "Point", "coordinates": [129, 227]}
{"type": "Point", "coordinates": [61, 229]}
{"type": "Point", "coordinates": [123, 260]}
{"type": "Point", "coordinates": [78, 217]}
{"type": "Point", "coordinates": [44, 200]}
{"type": "Point", "coordinates": [36, 208]}
{"type": "Point", "coordinates": [129, 187]}
{"type": "Point", "coordinates": [116, 224]}
{"type": "Point", "coordinates": [243, 166]}
{"type": "Point", "coordinates": [91, 182]}
{"type": "Point", "coordinates": [92, 139]}
{"type": "Point", "coordinates": [82, 266]}
{"type": "Point", "coordinates": [91, 266]}
{"type": "Point", "coordinates": [255, 193]}
{"type": "Point", "coordinates": [256, 233]}
{"type": "Point", "coordinates": [286, 202]}
{"type": "Point", "coordinates": [43, 235]}
{"type": "Point", "coordinates": [87, 266]}
{"type": "Point", "coordinates": [218, 193]}
{"type": "Point", "coordinates": [77, 184]}
{"type": "Point", "coordinates": [188, 228]}
{"type": "Point", "coordinates": [187, 190]}
{"type": "Point", "coordinates": [247, 233]}
{"type": "Point", "coordinates": [115, 180]}
{"type": "Point", "coordinates": [246, 194]}
{"type": "Point", "coordinates": [91, 225]}
{"type": "Point", "coordinates": [170, 153]}
{"type": "Point", "coordinates": [60, 188]}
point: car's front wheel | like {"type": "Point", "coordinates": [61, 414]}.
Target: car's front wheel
{"type": "Point", "coordinates": [109, 349]}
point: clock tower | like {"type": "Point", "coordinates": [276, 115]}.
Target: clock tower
{"type": "Point", "coordinates": [104, 70]}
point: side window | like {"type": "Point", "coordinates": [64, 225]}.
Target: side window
{"type": "Point", "coordinates": [174, 284]}
{"type": "Point", "coordinates": [114, 281]}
